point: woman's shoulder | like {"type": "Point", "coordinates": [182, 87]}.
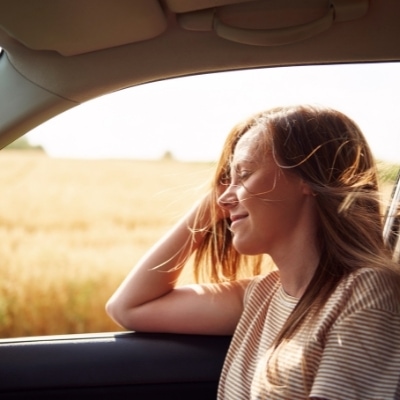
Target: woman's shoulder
{"type": "Point", "coordinates": [373, 288]}
{"type": "Point", "coordinates": [262, 284]}
{"type": "Point", "coordinates": [269, 279]}
{"type": "Point", "coordinates": [377, 276]}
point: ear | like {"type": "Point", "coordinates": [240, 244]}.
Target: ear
{"type": "Point", "coordinates": [306, 189]}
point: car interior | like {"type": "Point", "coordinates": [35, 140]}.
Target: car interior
{"type": "Point", "coordinates": [58, 54]}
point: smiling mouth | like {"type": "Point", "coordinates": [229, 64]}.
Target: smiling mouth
{"type": "Point", "coordinates": [236, 218]}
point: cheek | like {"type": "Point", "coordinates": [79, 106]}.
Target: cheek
{"type": "Point", "coordinates": [262, 187]}
{"type": "Point", "coordinates": [267, 193]}
{"type": "Point", "coordinates": [261, 210]}
{"type": "Point", "coordinates": [276, 199]}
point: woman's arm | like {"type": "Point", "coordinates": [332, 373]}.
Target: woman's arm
{"type": "Point", "coordinates": [147, 300]}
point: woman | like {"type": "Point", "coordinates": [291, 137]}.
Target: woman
{"type": "Point", "coordinates": [296, 186]}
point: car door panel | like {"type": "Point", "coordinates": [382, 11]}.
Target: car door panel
{"type": "Point", "coordinates": [150, 366]}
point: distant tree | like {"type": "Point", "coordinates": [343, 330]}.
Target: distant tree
{"type": "Point", "coordinates": [22, 144]}
{"type": "Point", "coordinates": [168, 155]}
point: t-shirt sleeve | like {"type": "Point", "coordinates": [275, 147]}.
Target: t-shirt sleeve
{"type": "Point", "coordinates": [361, 358]}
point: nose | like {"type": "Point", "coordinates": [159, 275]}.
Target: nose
{"type": "Point", "coordinates": [228, 199]}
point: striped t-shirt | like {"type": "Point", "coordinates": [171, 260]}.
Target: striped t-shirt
{"type": "Point", "coordinates": [351, 351]}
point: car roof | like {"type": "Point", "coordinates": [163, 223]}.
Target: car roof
{"type": "Point", "coordinates": [60, 53]}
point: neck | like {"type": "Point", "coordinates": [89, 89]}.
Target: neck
{"type": "Point", "coordinates": [297, 257]}
{"type": "Point", "coordinates": [296, 278]}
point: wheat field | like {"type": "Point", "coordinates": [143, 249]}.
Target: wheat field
{"type": "Point", "coordinates": [70, 230]}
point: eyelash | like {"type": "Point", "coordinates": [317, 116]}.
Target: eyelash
{"type": "Point", "coordinates": [244, 174]}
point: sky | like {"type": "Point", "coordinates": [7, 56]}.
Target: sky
{"type": "Point", "coordinates": [190, 117]}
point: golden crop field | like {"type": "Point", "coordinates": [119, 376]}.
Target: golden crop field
{"type": "Point", "coordinates": [70, 230]}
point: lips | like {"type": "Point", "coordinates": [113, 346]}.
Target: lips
{"type": "Point", "coordinates": [237, 218]}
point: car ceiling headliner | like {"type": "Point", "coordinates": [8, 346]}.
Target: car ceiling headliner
{"type": "Point", "coordinates": [125, 42]}
{"type": "Point", "coordinates": [80, 49]}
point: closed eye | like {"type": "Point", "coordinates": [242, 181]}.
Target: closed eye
{"type": "Point", "coordinates": [241, 175]}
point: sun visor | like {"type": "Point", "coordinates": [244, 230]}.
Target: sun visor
{"type": "Point", "coordinates": [269, 23]}
{"type": "Point", "coordinates": [75, 27]}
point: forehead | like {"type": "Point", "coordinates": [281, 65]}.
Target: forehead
{"type": "Point", "coordinates": [250, 147]}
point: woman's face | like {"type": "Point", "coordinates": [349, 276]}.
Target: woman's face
{"type": "Point", "coordinates": [264, 202]}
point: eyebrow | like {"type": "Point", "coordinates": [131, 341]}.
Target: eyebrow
{"type": "Point", "coordinates": [240, 161]}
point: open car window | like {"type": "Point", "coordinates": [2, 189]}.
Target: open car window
{"type": "Point", "coordinates": [191, 116]}
{"type": "Point", "coordinates": [101, 182]}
